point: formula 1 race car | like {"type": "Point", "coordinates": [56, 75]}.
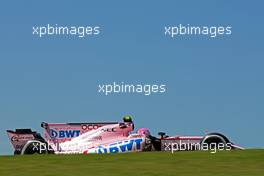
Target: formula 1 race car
{"type": "Point", "coordinates": [108, 137]}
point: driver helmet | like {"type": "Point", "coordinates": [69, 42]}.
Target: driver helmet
{"type": "Point", "coordinates": [127, 118]}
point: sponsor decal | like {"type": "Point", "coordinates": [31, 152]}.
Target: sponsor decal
{"type": "Point", "coordinates": [14, 138]}
{"type": "Point", "coordinates": [120, 147]}
{"type": "Point", "coordinates": [84, 127]}
{"type": "Point", "coordinates": [89, 127]}
{"type": "Point", "coordinates": [64, 133]}
{"type": "Point", "coordinates": [96, 138]}
{"type": "Point", "coordinates": [108, 129]}
{"type": "Point", "coordinates": [21, 138]}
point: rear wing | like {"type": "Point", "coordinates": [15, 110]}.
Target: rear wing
{"type": "Point", "coordinates": [20, 137]}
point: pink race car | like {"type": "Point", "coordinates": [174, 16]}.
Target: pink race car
{"type": "Point", "coordinates": [108, 137]}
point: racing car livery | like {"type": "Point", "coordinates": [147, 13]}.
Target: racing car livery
{"type": "Point", "coordinates": [108, 137]}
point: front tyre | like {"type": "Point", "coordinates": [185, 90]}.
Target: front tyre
{"type": "Point", "coordinates": [219, 141]}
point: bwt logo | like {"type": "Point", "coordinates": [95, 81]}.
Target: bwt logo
{"type": "Point", "coordinates": [124, 146]}
{"type": "Point", "coordinates": [64, 133]}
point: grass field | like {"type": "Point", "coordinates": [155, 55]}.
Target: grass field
{"type": "Point", "coordinates": [231, 163]}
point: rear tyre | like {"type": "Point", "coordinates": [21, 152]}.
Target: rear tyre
{"type": "Point", "coordinates": [34, 147]}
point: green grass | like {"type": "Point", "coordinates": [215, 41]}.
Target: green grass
{"type": "Point", "coordinates": [229, 163]}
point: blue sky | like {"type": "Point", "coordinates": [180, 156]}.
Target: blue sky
{"type": "Point", "coordinates": [212, 84]}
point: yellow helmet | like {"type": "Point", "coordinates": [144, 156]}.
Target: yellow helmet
{"type": "Point", "coordinates": [127, 118]}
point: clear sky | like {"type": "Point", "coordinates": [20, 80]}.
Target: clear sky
{"type": "Point", "coordinates": [212, 84]}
